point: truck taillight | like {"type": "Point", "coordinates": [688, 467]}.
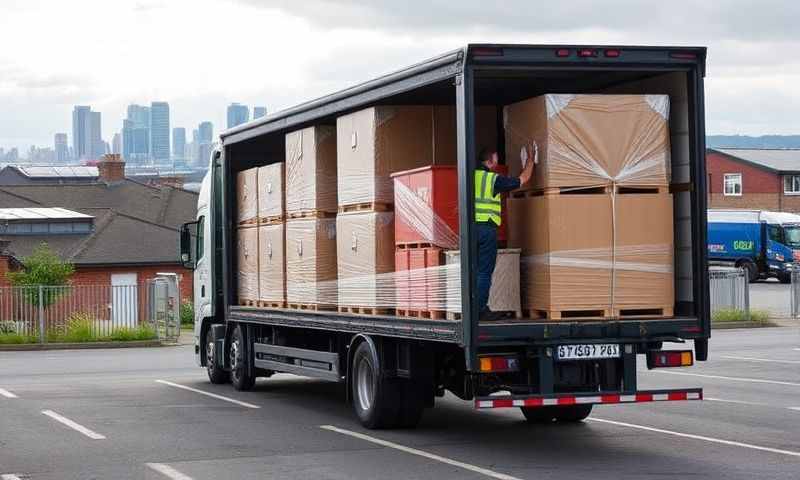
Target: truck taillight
{"type": "Point", "coordinates": [562, 52]}
{"type": "Point", "coordinates": [669, 358]}
{"type": "Point", "coordinates": [499, 364]}
{"type": "Point", "coordinates": [684, 55]}
{"type": "Point", "coordinates": [611, 53]}
{"type": "Point", "coordinates": [587, 52]}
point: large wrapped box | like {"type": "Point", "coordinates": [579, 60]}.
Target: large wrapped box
{"type": "Point", "coordinates": [311, 261]}
{"type": "Point", "coordinates": [594, 255]}
{"type": "Point", "coordinates": [270, 192]}
{"type": "Point", "coordinates": [272, 264]}
{"type": "Point", "coordinates": [375, 142]}
{"type": "Point", "coordinates": [311, 170]}
{"type": "Point", "coordinates": [365, 256]}
{"type": "Point", "coordinates": [591, 140]}
{"type": "Point", "coordinates": [420, 276]}
{"type": "Point", "coordinates": [247, 264]}
{"type": "Point", "coordinates": [504, 295]}
{"type": "Point", "coordinates": [247, 196]}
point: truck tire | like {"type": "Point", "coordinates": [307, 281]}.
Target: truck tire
{"type": "Point", "coordinates": [412, 404]}
{"type": "Point", "coordinates": [241, 377]}
{"type": "Point", "coordinates": [539, 414]}
{"type": "Point", "coordinates": [216, 375]}
{"type": "Point", "coordinates": [572, 413]}
{"type": "Point", "coordinates": [750, 268]}
{"type": "Point", "coordinates": [785, 278]}
{"type": "Point", "coordinates": [376, 399]}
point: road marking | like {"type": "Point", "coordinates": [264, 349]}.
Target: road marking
{"type": "Point", "coordinates": [75, 426]}
{"type": "Point", "coordinates": [414, 451]}
{"type": "Point", "coordinates": [10, 476]}
{"type": "Point", "coordinates": [698, 437]}
{"type": "Point", "coordinates": [208, 394]}
{"type": "Point", "coordinates": [740, 402]}
{"type": "Point", "coordinates": [737, 379]}
{"type": "Point", "coordinates": [795, 408]}
{"type": "Point", "coordinates": [7, 394]}
{"type": "Point", "coordinates": [752, 359]}
{"type": "Point", "coordinates": [168, 471]}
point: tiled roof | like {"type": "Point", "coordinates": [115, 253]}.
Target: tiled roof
{"type": "Point", "coordinates": [778, 160]}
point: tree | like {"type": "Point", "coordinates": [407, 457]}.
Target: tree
{"type": "Point", "coordinates": [42, 268]}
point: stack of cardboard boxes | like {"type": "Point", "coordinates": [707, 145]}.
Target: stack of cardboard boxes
{"type": "Point", "coordinates": [596, 229]}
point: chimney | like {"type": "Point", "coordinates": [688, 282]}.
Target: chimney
{"type": "Point", "coordinates": [111, 168]}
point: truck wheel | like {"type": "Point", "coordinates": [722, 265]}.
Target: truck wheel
{"type": "Point", "coordinates": [375, 398]}
{"type": "Point", "coordinates": [785, 278]}
{"type": "Point", "coordinates": [241, 378]}
{"type": "Point", "coordinates": [573, 413]}
{"type": "Point", "coordinates": [751, 269]}
{"type": "Point", "coordinates": [539, 414]}
{"type": "Point", "coordinates": [215, 374]}
{"type": "Point", "coordinates": [412, 404]}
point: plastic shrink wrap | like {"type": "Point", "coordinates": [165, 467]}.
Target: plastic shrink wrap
{"type": "Point", "coordinates": [272, 264]}
{"type": "Point", "coordinates": [311, 170]}
{"type": "Point", "coordinates": [311, 262]}
{"type": "Point", "coordinates": [504, 296]}
{"type": "Point", "coordinates": [270, 192]}
{"type": "Point", "coordinates": [247, 196]}
{"type": "Point", "coordinates": [365, 256]}
{"type": "Point", "coordinates": [247, 263]}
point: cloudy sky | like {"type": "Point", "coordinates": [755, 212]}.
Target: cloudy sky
{"type": "Point", "coordinates": [200, 55]}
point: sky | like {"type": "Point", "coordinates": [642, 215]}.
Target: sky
{"type": "Point", "coordinates": [201, 55]}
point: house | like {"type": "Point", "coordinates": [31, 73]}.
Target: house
{"type": "Point", "coordinates": [763, 179]}
{"type": "Point", "coordinates": [114, 230]}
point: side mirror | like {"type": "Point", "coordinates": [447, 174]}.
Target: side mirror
{"type": "Point", "coordinates": [187, 242]}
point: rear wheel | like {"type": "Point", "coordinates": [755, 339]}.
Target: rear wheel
{"type": "Point", "coordinates": [750, 268]}
{"type": "Point", "coordinates": [215, 374]}
{"type": "Point", "coordinates": [241, 378]}
{"type": "Point", "coordinates": [376, 399]}
{"type": "Point", "coordinates": [539, 414]}
{"type": "Point", "coordinates": [573, 413]}
{"type": "Point", "coordinates": [562, 414]}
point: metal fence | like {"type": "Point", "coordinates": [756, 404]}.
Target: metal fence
{"type": "Point", "coordinates": [729, 289]}
{"type": "Point", "coordinates": [88, 312]}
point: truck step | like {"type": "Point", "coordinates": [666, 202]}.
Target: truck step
{"type": "Point", "coordinates": [366, 310]}
{"type": "Point", "coordinates": [430, 314]}
{"type": "Point", "coordinates": [366, 207]}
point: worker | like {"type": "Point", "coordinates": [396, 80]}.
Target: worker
{"type": "Point", "coordinates": [488, 208]}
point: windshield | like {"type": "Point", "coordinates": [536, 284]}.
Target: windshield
{"type": "Point", "coordinates": [792, 235]}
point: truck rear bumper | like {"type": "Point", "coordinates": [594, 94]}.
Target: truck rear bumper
{"type": "Point", "coordinates": [506, 401]}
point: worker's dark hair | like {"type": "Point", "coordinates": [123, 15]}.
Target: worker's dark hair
{"type": "Point", "coordinates": [484, 154]}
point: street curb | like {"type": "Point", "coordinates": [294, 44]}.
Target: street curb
{"type": "Point", "coordinates": [732, 325]}
{"type": "Point", "coordinates": [82, 346]}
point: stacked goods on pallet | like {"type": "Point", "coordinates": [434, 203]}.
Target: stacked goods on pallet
{"type": "Point", "coordinates": [311, 172]}
{"type": "Point", "coordinates": [596, 232]}
{"type": "Point", "coordinates": [371, 145]}
{"type": "Point", "coordinates": [504, 296]}
{"type": "Point", "coordinates": [247, 261]}
{"type": "Point", "coordinates": [247, 196]}
{"type": "Point", "coordinates": [271, 236]}
{"type": "Point", "coordinates": [271, 208]}
{"type": "Point", "coordinates": [311, 263]}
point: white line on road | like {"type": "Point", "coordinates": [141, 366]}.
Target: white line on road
{"type": "Point", "coordinates": [753, 359]}
{"type": "Point", "coordinates": [698, 437]}
{"type": "Point", "coordinates": [10, 476]}
{"type": "Point", "coordinates": [75, 426]}
{"type": "Point", "coordinates": [795, 408]}
{"type": "Point", "coordinates": [736, 379]}
{"type": "Point", "coordinates": [7, 394]}
{"type": "Point", "coordinates": [208, 394]}
{"type": "Point", "coordinates": [740, 402]}
{"type": "Point", "coordinates": [168, 471]}
{"type": "Point", "coordinates": [414, 451]}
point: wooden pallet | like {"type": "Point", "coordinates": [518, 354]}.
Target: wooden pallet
{"type": "Point", "coordinates": [316, 307]}
{"type": "Point", "coordinates": [311, 214]}
{"type": "Point", "coordinates": [274, 220]}
{"type": "Point", "coordinates": [644, 312]}
{"type": "Point", "coordinates": [620, 189]}
{"type": "Point", "coordinates": [366, 207]}
{"type": "Point", "coordinates": [500, 316]}
{"type": "Point", "coordinates": [366, 310]}
{"type": "Point", "coordinates": [271, 304]}
{"type": "Point", "coordinates": [414, 245]}
{"type": "Point", "coordinates": [253, 222]}
{"type": "Point", "coordinates": [248, 303]}
{"type": "Point", "coordinates": [579, 315]}
{"type": "Point", "coordinates": [429, 314]}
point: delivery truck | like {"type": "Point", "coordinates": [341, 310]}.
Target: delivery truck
{"type": "Point", "coordinates": [330, 244]}
{"type": "Point", "coordinates": [766, 244]}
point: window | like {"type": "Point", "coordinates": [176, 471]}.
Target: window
{"type": "Point", "coordinates": [791, 184]}
{"type": "Point", "coordinates": [200, 237]}
{"type": "Point", "coordinates": [775, 233]}
{"type": "Point", "coordinates": [733, 184]}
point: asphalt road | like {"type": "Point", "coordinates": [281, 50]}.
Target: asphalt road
{"type": "Point", "coordinates": [108, 417]}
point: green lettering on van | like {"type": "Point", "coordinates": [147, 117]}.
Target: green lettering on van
{"type": "Point", "coordinates": [743, 245]}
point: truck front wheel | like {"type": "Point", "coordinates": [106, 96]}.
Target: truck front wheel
{"type": "Point", "coordinates": [241, 376]}
{"type": "Point", "coordinates": [751, 269]}
{"type": "Point", "coordinates": [216, 374]}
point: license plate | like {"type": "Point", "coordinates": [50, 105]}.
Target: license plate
{"type": "Point", "coordinates": [587, 351]}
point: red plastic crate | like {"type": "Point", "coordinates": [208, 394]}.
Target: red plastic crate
{"type": "Point", "coordinates": [426, 206]}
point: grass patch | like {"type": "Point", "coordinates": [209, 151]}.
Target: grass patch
{"type": "Point", "coordinates": [734, 315]}
{"type": "Point", "coordinates": [126, 334]}
{"type": "Point", "coordinates": [17, 339]}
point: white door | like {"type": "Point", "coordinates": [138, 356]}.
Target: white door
{"type": "Point", "coordinates": [124, 300]}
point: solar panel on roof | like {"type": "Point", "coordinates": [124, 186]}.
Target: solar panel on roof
{"type": "Point", "coordinates": [38, 213]}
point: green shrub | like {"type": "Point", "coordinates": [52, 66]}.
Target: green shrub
{"type": "Point", "coordinates": [17, 338]}
{"type": "Point", "coordinates": [735, 315]}
{"type": "Point", "coordinates": [127, 334]}
{"type": "Point", "coordinates": [187, 313]}
{"type": "Point", "coordinates": [80, 328]}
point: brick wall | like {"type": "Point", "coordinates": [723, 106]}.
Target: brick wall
{"type": "Point", "coordinates": [4, 261]}
{"type": "Point", "coordinates": [102, 276]}
{"type": "Point", "coordinates": [761, 188]}
{"type": "Point", "coordinates": [754, 201]}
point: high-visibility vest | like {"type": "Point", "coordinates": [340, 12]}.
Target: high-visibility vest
{"type": "Point", "coordinates": [487, 206]}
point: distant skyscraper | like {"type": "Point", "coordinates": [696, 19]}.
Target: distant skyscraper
{"type": "Point", "coordinates": [237, 114]}
{"type": "Point", "coordinates": [178, 142]}
{"type": "Point", "coordinates": [136, 135]}
{"type": "Point", "coordinates": [259, 112]}
{"type": "Point", "coordinates": [61, 148]}
{"type": "Point", "coordinates": [98, 146]}
{"type": "Point", "coordinates": [206, 132]}
{"type": "Point", "coordinates": [80, 132]}
{"type": "Point", "coordinates": [116, 143]}
{"type": "Point", "coordinates": [159, 131]}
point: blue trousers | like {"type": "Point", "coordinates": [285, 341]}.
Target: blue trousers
{"type": "Point", "coordinates": [487, 257]}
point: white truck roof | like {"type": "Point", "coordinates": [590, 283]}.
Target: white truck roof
{"type": "Point", "coordinates": [752, 216]}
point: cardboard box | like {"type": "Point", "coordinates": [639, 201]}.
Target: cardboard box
{"type": "Point", "coordinates": [375, 142]}
{"type": "Point", "coordinates": [569, 264]}
{"type": "Point", "coordinates": [365, 254]}
{"type": "Point", "coordinates": [311, 170]}
{"type": "Point", "coordinates": [272, 263]}
{"type": "Point", "coordinates": [311, 261]}
{"type": "Point", "coordinates": [247, 196]}
{"type": "Point", "coordinates": [270, 192]}
{"type": "Point", "coordinates": [504, 296]}
{"type": "Point", "coordinates": [590, 140]}
{"type": "Point", "coordinates": [247, 263]}
{"type": "Point", "coordinates": [420, 277]}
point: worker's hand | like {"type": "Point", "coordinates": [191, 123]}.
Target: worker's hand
{"type": "Point", "coordinates": [532, 151]}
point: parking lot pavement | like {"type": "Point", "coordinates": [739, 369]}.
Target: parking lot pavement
{"type": "Point", "coordinates": [146, 413]}
{"type": "Point", "coordinates": [772, 296]}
